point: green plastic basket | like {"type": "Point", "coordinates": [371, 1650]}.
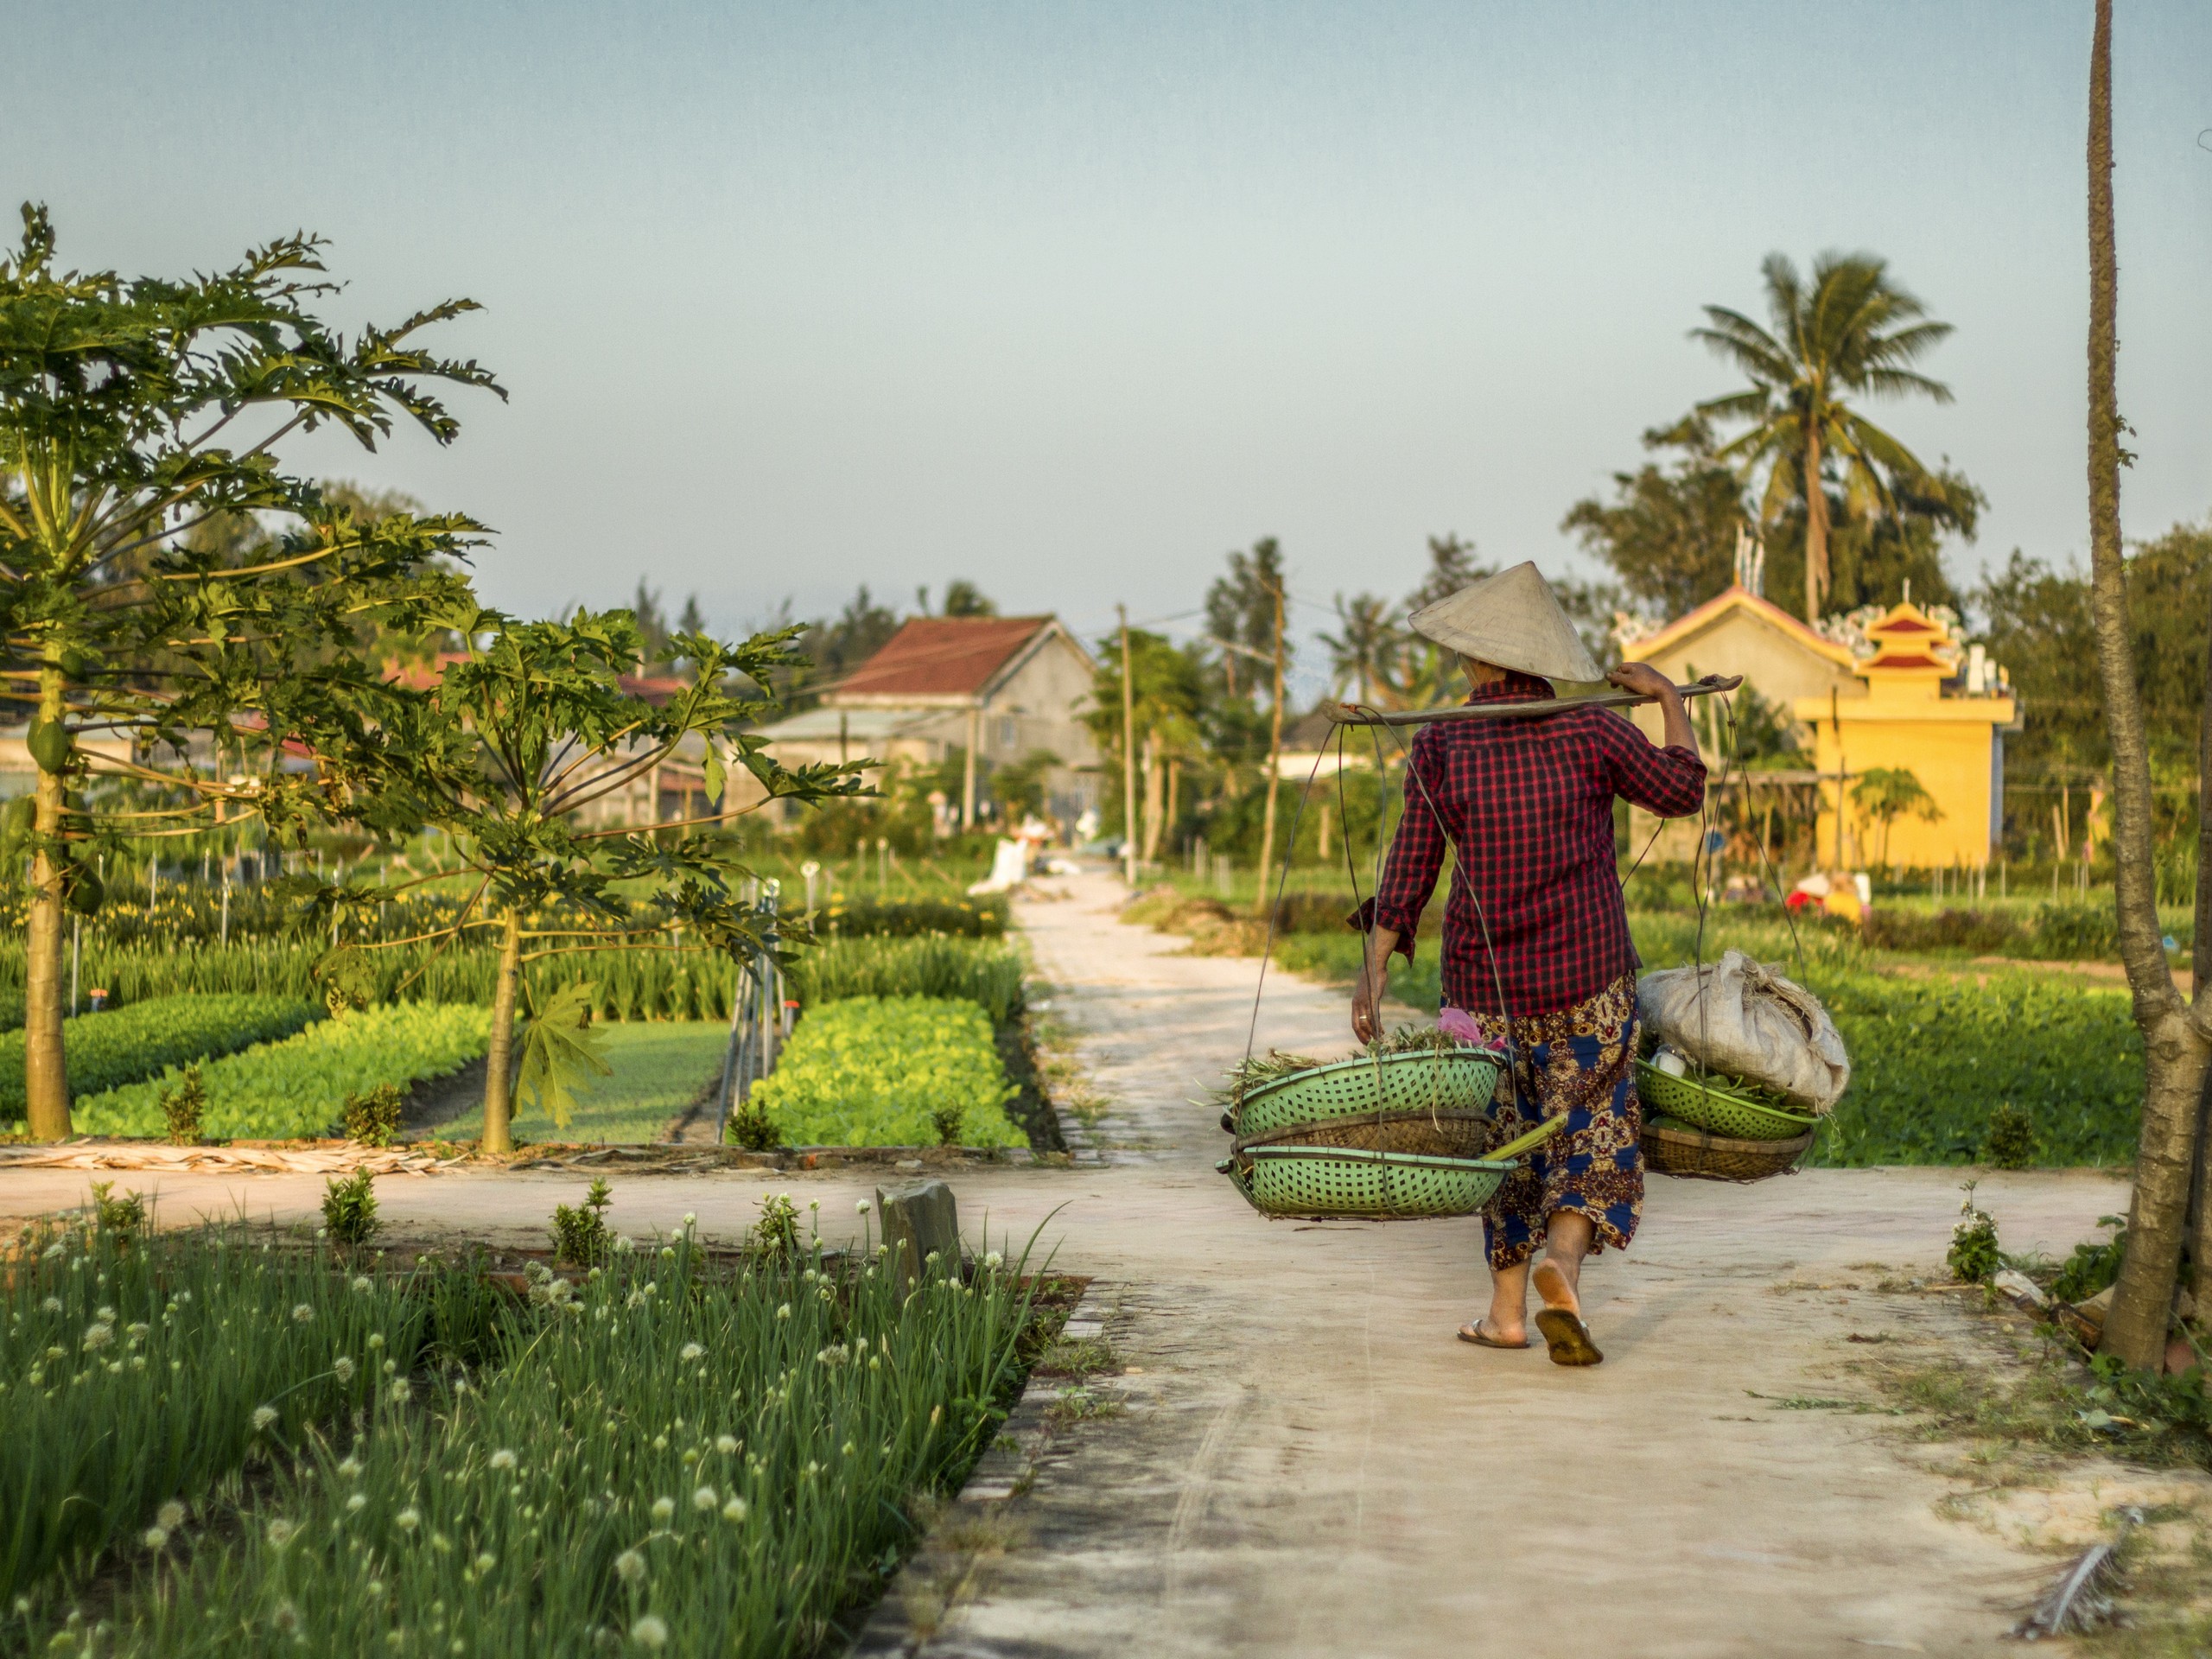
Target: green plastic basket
{"type": "Point", "coordinates": [1419, 1081]}
{"type": "Point", "coordinates": [1379, 1185]}
{"type": "Point", "coordinates": [1715, 1112]}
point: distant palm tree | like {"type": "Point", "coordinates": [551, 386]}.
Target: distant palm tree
{"type": "Point", "coordinates": [1366, 644]}
{"type": "Point", "coordinates": [1852, 331]}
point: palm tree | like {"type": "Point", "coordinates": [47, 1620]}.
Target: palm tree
{"type": "Point", "coordinates": [1366, 643]}
{"type": "Point", "coordinates": [1852, 330]}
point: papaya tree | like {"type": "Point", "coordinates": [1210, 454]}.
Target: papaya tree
{"type": "Point", "coordinates": [136, 417]}
{"type": "Point", "coordinates": [526, 752]}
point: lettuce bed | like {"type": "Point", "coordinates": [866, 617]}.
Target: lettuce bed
{"type": "Point", "coordinates": [297, 1087]}
{"type": "Point", "coordinates": [876, 1071]}
{"type": "Point", "coordinates": [110, 1050]}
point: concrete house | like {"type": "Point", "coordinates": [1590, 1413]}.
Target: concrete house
{"type": "Point", "coordinates": [997, 688]}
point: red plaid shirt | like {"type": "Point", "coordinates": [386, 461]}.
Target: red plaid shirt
{"type": "Point", "coordinates": [1528, 804]}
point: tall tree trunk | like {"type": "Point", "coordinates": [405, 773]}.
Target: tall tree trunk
{"type": "Point", "coordinates": [1154, 789]}
{"type": "Point", "coordinates": [2200, 952]}
{"type": "Point", "coordinates": [45, 1069]}
{"type": "Point", "coordinates": [1128, 760]}
{"type": "Point", "coordinates": [1816, 531]}
{"type": "Point", "coordinates": [2176, 1047]}
{"type": "Point", "coordinates": [1275, 766]}
{"type": "Point", "coordinates": [500, 1063]}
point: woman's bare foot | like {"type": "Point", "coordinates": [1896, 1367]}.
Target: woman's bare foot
{"type": "Point", "coordinates": [1486, 1332]}
{"type": "Point", "coordinates": [1556, 1282]}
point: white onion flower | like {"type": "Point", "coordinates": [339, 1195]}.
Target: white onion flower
{"type": "Point", "coordinates": [170, 1516]}
{"type": "Point", "coordinates": [282, 1532]}
{"type": "Point", "coordinates": [363, 1284]}
{"type": "Point", "coordinates": [734, 1511]}
{"type": "Point", "coordinates": [726, 1444]}
{"type": "Point", "coordinates": [98, 1336]}
{"type": "Point", "coordinates": [705, 1499]}
{"type": "Point", "coordinates": [342, 1368]}
{"type": "Point", "coordinates": [263, 1416]}
{"type": "Point", "coordinates": [503, 1458]}
{"type": "Point", "coordinates": [649, 1633]}
{"type": "Point", "coordinates": [629, 1567]}
{"type": "Point", "coordinates": [356, 1503]}
{"type": "Point", "coordinates": [303, 1314]}
{"type": "Point", "coordinates": [691, 1350]}
{"type": "Point", "coordinates": [400, 1393]}
{"type": "Point", "coordinates": [408, 1519]}
{"type": "Point", "coordinates": [664, 1510]}
{"type": "Point", "coordinates": [157, 1537]}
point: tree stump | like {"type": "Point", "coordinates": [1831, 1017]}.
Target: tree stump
{"type": "Point", "coordinates": [918, 1220]}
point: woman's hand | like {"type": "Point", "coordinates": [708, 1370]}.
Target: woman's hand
{"type": "Point", "coordinates": [1643, 679]}
{"type": "Point", "coordinates": [1374, 980]}
{"type": "Point", "coordinates": [1646, 680]}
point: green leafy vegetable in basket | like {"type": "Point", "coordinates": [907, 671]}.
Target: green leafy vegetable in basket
{"type": "Point", "coordinates": [1256, 1071]}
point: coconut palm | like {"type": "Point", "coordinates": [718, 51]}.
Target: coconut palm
{"type": "Point", "coordinates": [1851, 330]}
{"type": "Point", "coordinates": [1367, 642]}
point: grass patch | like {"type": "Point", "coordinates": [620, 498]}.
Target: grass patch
{"type": "Point", "coordinates": [659, 1069]}
{"type": "Point", "coordinates": [654, 1457]}
{"type": "Point", "coordinates": [125, 1046]}
{"type": "Point", "coordinates": [298, 1087]}
{"type": "Point", "coordinates": [891, 1072]}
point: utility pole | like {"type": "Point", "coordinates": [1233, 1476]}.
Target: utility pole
{"type": "Point", "coordinates": [1275, 766]}
{"type": "Point", "coordinates": [1129, 757]}
{"type": "Point", "coordinates": [968, 773]}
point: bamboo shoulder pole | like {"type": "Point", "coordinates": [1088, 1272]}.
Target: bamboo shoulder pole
{"type": "Point", "coordinates": [1348, 713]}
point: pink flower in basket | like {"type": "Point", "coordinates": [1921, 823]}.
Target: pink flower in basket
{"type": "Point", "coordinates": [1458, 1025]}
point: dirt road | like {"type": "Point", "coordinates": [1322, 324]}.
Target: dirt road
{"type": "Point", "coordinates": [1301, 1460]}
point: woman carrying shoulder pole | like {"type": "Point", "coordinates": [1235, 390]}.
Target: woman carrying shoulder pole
{"type": "Point", "coordinates": [1536, 956]}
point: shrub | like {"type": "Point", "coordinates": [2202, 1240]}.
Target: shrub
{"type": "Point", "coordinates": [874, 1071]}
{"type": "Point", "coordinates": [349, 1209]}
{"type": "Point", "coordinates": [1969, 930]}
{"type": "Point", "coordinates": [112, 1215]}
{"type": "Point", "coordinates": [2071, 932]}
{"type": "Point", "coordinates": [2093, 1264]}
{"type": "Point", "coordinates": [750, 1127]}
{"type": "Point", "coordinates": [1973, 1257]}
{"type": "Point", "coordinates": [776, 1234]}
{"type": "Point", "coordinates": [183, 1106]}
{"type": "Point", "coordinates": [2012, 1141]}
{"type": "Point", "coordinates": [582, 1237]}
{"type": "Point", "coordinates": [372, 1117]}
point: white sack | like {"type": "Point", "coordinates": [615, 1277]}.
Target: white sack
{"type": "Point", "coordinates": [1746, 1020]}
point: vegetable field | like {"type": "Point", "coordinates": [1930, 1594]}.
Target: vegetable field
{"type": "Point", "coordinates": [659, 1070]}
{"type": "Point", "coordinates": [891, 1072]}
{"type": "Point", "coordinates": [295, 1087]}
{"type": "Point", "coordinates": [114, 1050]}
{"type": "Point", "coordinates": [661, 1454]}
{"type": "Point", "coordinates": [984, 972]}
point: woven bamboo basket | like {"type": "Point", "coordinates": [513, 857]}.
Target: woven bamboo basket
{"type": "Point", "coordinates": [1328, 1181]}
{"type": "Point", "coordinates": [1419, 1081]}
{"type": "Point", "coordinates": [1449, 1132]}
{"type": "Point", "coordinates": [1708, 1105]}
{"type": "Point", "coordinates": [1675, 1148]}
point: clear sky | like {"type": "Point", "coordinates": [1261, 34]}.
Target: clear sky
{"type": "Point", "coordinates": [1071, 298]}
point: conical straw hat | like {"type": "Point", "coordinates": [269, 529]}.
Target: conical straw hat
{"type": "Point", "coordinates": [1512, 620]}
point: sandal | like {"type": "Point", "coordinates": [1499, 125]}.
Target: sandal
{"type": "Point", "coordinates": [1482, 1339]}
{"type": "Point", "coordinates": [1560, 1319]}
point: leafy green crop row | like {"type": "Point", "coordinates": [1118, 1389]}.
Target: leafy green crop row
{"type": "Point", "coordinates": [297, 1087]}
{"type": "Point", "coordinates": [628, 985]}
{"type": "Point", "coordinates": [653, 1459]}
{"type": "Point", "coordinates": [985, 971]}
{"type": "Point", "coordinates": [890, 1072]}
{"type": "Point", "coordinates": [120, 1047]}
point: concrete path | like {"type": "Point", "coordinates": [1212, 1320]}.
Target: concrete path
{"type": "Point", "coordinates": [1308, 1464]}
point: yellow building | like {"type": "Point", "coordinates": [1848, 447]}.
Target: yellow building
{"type": "Point", "coordinates": [1929, 705]}
{"type": "Point", "coordinates": [1896, 688]}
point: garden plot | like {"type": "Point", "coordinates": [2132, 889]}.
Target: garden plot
{"type": "Point", "coordinates": [108, 1051]}
{"type": "Point", "coordinates": [888, 1071]}
{"type": "Point", "coordinates": [657, 1454]}
{"type": "Point", "coordinates": [297, 1087]}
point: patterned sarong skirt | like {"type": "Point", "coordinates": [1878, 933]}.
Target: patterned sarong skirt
{"type": "Point", "coordinates": [1578, 1062]}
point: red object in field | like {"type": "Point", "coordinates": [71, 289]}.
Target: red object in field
{"type": "Point", "coordinates": [1801, 901]}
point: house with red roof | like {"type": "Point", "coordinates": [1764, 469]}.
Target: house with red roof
{"type": "Point", "coordinates": [989, 690]}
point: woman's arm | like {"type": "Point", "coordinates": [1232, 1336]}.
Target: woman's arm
{"type": "Point", "coordinates": [1669, 780]}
